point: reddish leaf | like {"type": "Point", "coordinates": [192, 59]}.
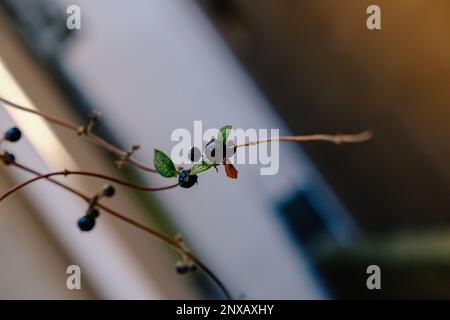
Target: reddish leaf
{"type": "Point", "coordinates": [231, 171]}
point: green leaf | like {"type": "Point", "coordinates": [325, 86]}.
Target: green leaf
{"type": "Point", "coordinates": [164, 165]}
{"type": "Point", "coordinates": [224, 132]}
{"type": "Point", "coordinates": [200, 167]}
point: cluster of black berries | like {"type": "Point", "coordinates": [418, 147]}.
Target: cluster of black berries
{"type": "Point", "coordinates": [87, 222]}
{"type": "Point", "coordinates": [12, 135]}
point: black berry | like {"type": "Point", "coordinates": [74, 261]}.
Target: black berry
{"type": "Point", "coordinates": [13, 134]}
{"type": "Point", "coordinates": [181, 267]}
{"type": "Point", "coordinates": [109, 191]}
{"type": "Point", "coordinates": [86, 223]}
{"type": "Point", "coordinates": [8, 158]}
{"type": "Point", "coordinates": [186, 180]}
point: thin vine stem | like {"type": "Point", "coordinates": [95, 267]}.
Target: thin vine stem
{"type": "Point", "coordinates": [92, 137]}
{"type": "Point", "coordinates": [337, 139]}
{"type": "Point", "coordinates": [55, 120]}
{"type": "Point", "coordinates": [84, 173]}
{"type": "Point", "coordinates": [167, 240]}
{"type": "Point", "coordinates": [124, 155]}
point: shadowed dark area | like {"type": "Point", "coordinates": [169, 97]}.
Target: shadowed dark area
{"type": "Point", "coordinates": [325, 71]}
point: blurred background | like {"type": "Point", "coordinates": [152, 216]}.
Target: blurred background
{"type": "Point", "coordinates": [304, 67]}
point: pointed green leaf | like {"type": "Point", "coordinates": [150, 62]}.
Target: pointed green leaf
{"type": "Point", "coordinates": [200, 167]}
{"type": "Point", "coordinates": [163, 164]}
{"type": "Point", "coordinates": [224, 132]}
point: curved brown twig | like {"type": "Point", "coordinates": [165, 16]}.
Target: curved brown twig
{"type": "Point", "coordinates": [88, 135]}
{"type": "Point", "coordinates": [124, 155]}
{"type": "Point", "coordinates": [337, 139]}
{"type": "Point", "coordinates": [172, 243]}
{"type": "Point", "coordinates": [83, 173]}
